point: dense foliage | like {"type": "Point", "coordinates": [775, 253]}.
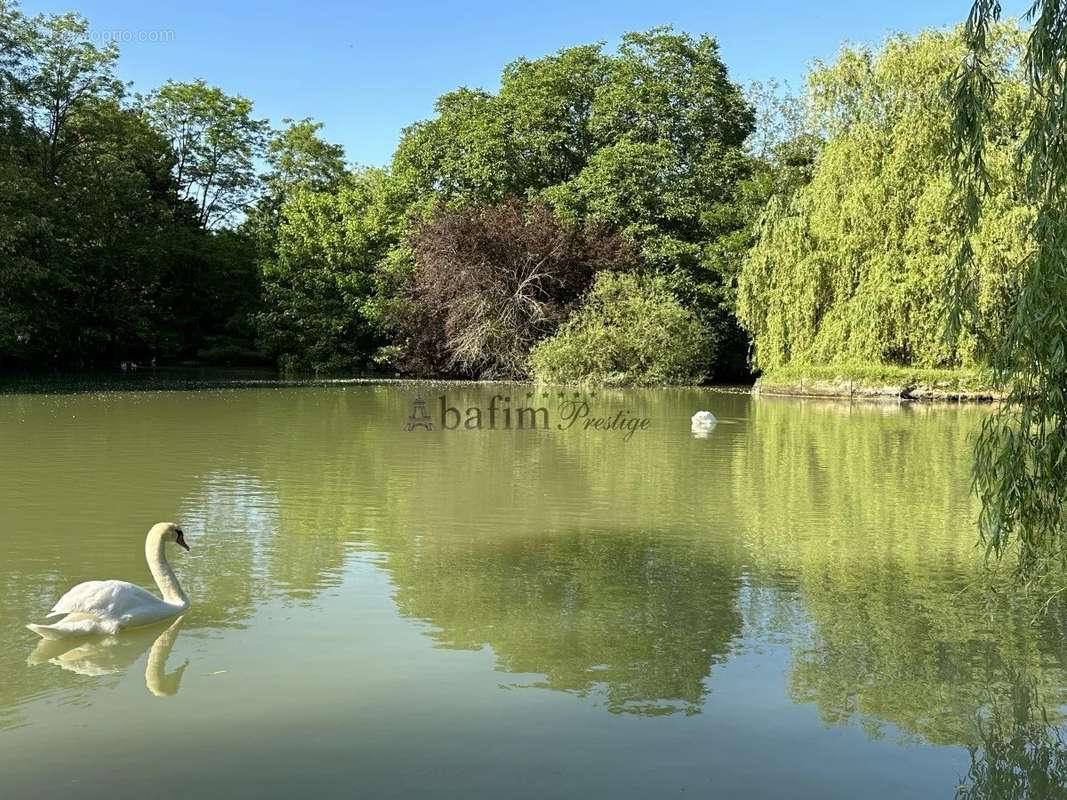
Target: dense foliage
{"type": "Point", "coordinates": [138, 226]}
{"type": "Point", "coordinates": [322, 272]}
{"type": "Point", "coordinates": [101, 255]}
{"type": "Point", "coordinates": [631, 331]}
{"type": "Point", "coordinates": [490, 282]}
{"type": "Point", "coordinates": [214, 140]}
{"type": "Point", "coordinates": [1021, 465]}
{"type": "Point", "coordinates": [850, 268]}
{"type": "Point", "coordinates": [647, 140]}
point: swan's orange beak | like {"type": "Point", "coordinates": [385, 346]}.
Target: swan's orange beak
{"type": "Point", "coordinates": [181, 540]}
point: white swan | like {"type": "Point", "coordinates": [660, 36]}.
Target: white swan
{"type": "Point", "coordinates": [106, 607]}
{"type": "Point", "coordinates": [703, 420]}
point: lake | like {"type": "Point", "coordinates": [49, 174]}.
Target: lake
{"type": "Point", "coordinates": [790, 605]}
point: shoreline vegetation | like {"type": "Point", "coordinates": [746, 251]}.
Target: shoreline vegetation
{"type": "Point", "coordinates": [880, 383]}
{"type": "Point", "coordinates": [612, 216]}
{"type": "Point", "coordinates": [830, 383]}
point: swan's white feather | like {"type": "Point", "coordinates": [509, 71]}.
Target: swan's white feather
{"type": "Point", "coordinates": [107, 606]}
{"type": "Point", "coordinates": [112, 599]}
{"type": "Point", "coordinates": [77, 624]}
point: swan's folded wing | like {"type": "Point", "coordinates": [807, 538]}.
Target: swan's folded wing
{"type": "Point", "coordinates": [102, 598]}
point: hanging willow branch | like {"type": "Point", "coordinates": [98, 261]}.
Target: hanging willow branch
{"type": "Point", "coordinates": [973, 92]}
{"type": "Point", "coordinates": [1020, 470]}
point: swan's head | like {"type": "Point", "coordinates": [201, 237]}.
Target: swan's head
{"type": "Point", "coordinates": [172, 533]}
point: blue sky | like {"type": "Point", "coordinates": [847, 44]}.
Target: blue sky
{"type": "Point", "coordinates": [368, 69]}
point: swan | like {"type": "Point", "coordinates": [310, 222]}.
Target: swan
{"type": "Point", "coordinates": [702, 420]}
{"type": "Point", "coordinates": [106, 607]}
{"type": "Point", "coordinates": [702, 424]}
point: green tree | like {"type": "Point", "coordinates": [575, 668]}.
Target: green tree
{"type": "Point", "coordinates": [19, 226]}
{"type": "Point", "coordinates": [96, 259]}
{"type": "Point", "coordinates": [66, 74]}
{"type": "Point", "coordinates": [15, 34]}
{"type": "Point", "coordinates": [463, 153]}
{"type": "Point", "coordinates": [64, 166]}
{"type": "Point", "coordinates": [548, 104]}
{"type": "Point", "coordinates": [215, 141]}
{"type": "Point", "coordinates": [630, 331]}
{"type": "Point", "coordinates": [298, 158]}
{"type": "Point", "coordinates": [322, 283]}
{"type": "Point", "coordinates": [1021, 454]}
{"type": "Point", "coordinates": [669, 128]}
{"type": "Point", "coordinates": [850, 266]}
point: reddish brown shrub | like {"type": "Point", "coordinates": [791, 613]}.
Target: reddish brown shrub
{"type": "Point", "coordinates": [492, 281]}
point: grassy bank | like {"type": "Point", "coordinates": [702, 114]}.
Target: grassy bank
{"type": "Point", "coordinates": [879, 381]}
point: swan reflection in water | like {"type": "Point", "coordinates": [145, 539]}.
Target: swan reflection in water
{"type": "Point", "coordinates": [111, 655]}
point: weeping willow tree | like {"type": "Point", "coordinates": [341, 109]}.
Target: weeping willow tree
{"type": "Point", "coordinates": [850, 268]}
{"type": "Point", "coordinates": [1021, 454]}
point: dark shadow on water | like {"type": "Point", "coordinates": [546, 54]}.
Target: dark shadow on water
{"type": "Point", "coordinates": [156, 379]}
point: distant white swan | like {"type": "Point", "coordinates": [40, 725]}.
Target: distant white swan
{"type": "Point", "coordinates": [106, 607]}
{"type": "Point", "coordinates": [702, 420]}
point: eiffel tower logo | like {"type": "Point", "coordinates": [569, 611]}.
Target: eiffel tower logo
{"type": "Point", "coordinates": [420, 417]}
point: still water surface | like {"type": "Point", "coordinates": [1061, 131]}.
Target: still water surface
{"type": "Point", "coordinates": [777, 609]}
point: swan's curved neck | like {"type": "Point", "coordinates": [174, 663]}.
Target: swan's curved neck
{"type": "Point", "coordinates": [162, 573]}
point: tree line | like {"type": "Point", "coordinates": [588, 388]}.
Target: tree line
{"type": "Point", "coordinates": [588, 220]}
{"type": "Point", "coordinates": [628, 216]}
{"type": "Point", "coordinates": [114, 207]}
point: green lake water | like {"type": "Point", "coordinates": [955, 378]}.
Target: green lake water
{"type": "Point", "coordinates": [777, 609]}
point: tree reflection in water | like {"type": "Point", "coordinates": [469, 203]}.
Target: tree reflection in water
{"type": "Point", "coordinates": [1022, 754]}
{"type": "Point", "coordinates": [622, 572]}
{"type": "Point", "coordinates": [631, 618]}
